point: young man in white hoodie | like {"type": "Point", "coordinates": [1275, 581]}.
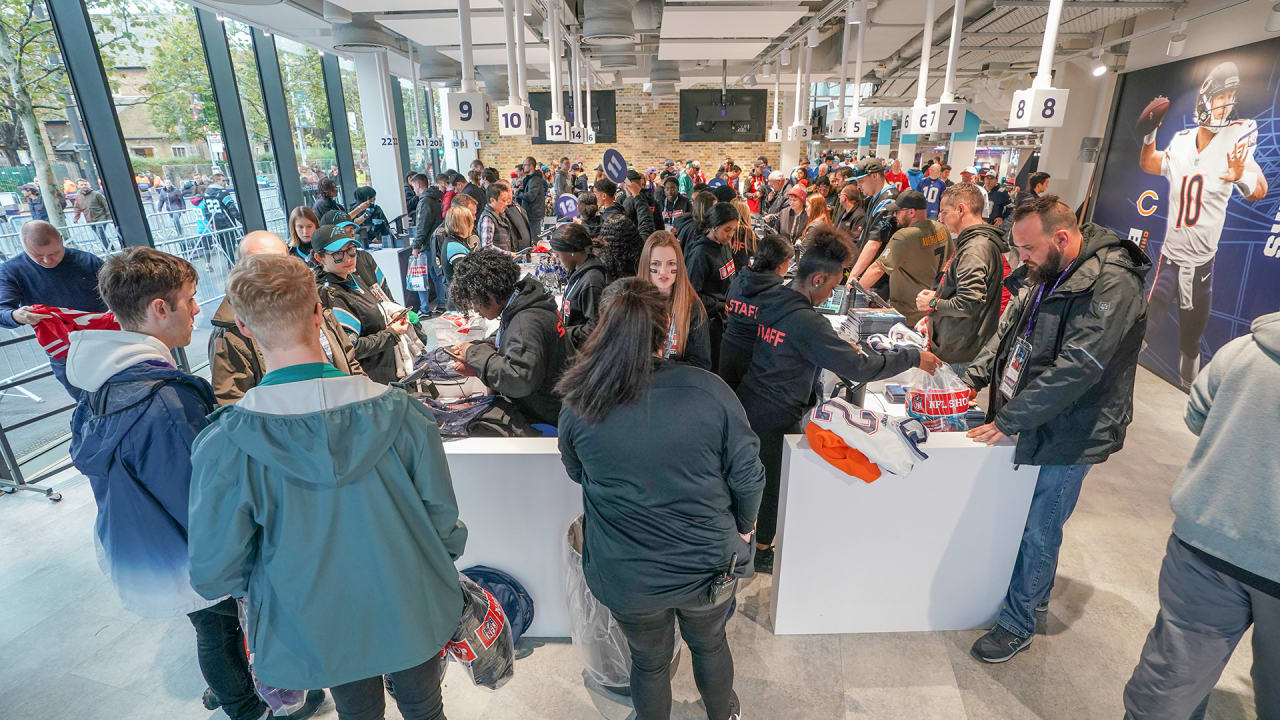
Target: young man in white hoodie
{"type": "Point", "coordinates": [131, 436]}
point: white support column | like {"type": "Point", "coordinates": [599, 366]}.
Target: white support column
{"type": "Point", "coordinates": [386, 175]}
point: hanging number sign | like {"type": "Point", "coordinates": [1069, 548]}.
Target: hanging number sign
{"type": "Point", "coordinates": [1038, 108]}
{"type": "Point", "coordinates": [557, 131]}
{"type": "Point", "coordinates": [775, 135]}
{"type": "Point", "coordinates": [512, 120]}
{"type": "Point", "coordinates": [591, 136]}
{"type": "Point", "coordinates": [435, 143]}
{"type": "Point", "coordinates": [951, 116]}
{"type": "Point", "coordinates": [923, 120]}
{"type": "Point", "coordinates": [466, 111]}
{"type": "Point", "coordinates": [855, 128]}
{"type": "Point", "coordinates": [577, 134]}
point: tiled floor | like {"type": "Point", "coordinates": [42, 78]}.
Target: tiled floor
{"type": "Point", "coordinates": [67, 650]}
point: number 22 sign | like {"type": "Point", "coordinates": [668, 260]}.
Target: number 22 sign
{"type": "Point", "coordinates": [466, 111]}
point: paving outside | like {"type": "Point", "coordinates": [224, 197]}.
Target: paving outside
{"type": "Point", "coordinates": [68, 651]}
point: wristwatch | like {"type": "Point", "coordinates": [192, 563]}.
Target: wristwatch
{"type": "Point", "coordinates": [933, 303]}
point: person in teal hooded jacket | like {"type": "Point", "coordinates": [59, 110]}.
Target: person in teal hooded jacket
{"type": "Point", "coordinates": [325, 500]}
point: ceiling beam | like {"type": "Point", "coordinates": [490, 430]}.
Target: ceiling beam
{"type": "Point", "coordinates": [1110, 4]}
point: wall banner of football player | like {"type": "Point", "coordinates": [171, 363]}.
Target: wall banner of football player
{"type": "Point", "coordinates": [1191, 176]}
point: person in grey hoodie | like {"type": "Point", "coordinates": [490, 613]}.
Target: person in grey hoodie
{"type": "Point", "coordinates": [1221, 568]}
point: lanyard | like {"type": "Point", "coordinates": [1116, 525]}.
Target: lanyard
{"type": "Point", "coordinates": [502, 324]}
{"type": "Point", "coordinates": [1035, 309]}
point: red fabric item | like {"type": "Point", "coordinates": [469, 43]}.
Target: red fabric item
{"type": "Point", "coordinates": [447, 201]}
{"type": "Point", "coordinates": [1004, 289]}
{"type": "Point", "coordinates": [54, 334]}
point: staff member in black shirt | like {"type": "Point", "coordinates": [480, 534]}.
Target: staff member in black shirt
{"type": "Point", "coordinates": [710, 261]}
{"type": "Point", "coordinates": [751, 287]}
{"type": "Point", "coordinates": [580, 304]}
{"type": "Point", "coordinates": [670, 486]}
{"type": "Point", "coordinates": [793, 343]}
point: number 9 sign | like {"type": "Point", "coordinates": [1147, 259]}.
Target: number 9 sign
{"type": "Point", "coordinates": [466, 111]}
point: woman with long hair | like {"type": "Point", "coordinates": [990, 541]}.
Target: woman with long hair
{"type": "Point", "coordinates": [688, 337]}
{"type": "Point", "coordinates": [670, 483]}
{"type": "Point", "coordinates": [752, 287]}
{"type": "Point", "coordinates": [589, 213]}
{"type": "Point", "coordinates": [688, 227]}
{"type": "Point", "coordinates": [622, 246]}
{"type": "Point", "coordinates": [816, 210]}
{"type": "Point", "coordinates": [778, 386]}
{"type": "Point", "coordinates": [711, 268]}
{"type": "Point", "coordinates": [303, 223]}
{"type": "Point", "coordinates": [744, 240]}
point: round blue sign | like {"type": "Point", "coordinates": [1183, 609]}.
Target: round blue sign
{"type": "Point", "coordinates": [615, 168]}
{"type": "Point", "coordinates": [567, 206]}
{"type": "Point", "coordinates": [717, 182]}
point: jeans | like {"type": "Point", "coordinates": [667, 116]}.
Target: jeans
{"type": "Point", "coordinates": [59, 367]}
{"type": "Point", "coordinates": [1057, 489]}
{"type": "Point", "coordinates": [1203, 614]}
{"type": "Point", "coordinates": [220, 651]}
{"type": "Point", "coordinates": [424, 301]}
{"type": "Point", "coordinates": [416, 692]}
{"type": "Point", "coordinates": [652, 645]}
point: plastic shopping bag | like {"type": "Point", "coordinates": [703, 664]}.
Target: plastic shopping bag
{"type": "Point", "coordinates": [281, 702]}
{"type": "Point", "coordinates": [940, 401]}
{"type": "Point", "coordinates": [482, 643]}
{"type": "Point", "coordinates": [416, 279]}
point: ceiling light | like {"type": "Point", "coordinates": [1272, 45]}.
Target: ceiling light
{"type": "Point", "coordinates": [851, 15]}
{"type": "Point", "coordinates": [1099, 67]}
{"type": "Point", "coordinates": [1177, 42]}
{"type": "Point", "coordinates": [764, 70]}
{"type": "Point", "coordinates": [1273, 20]}
{"type": "Point", "coordinates": [812, 37]}
{"type": "Point", "coordinates": [786, 56]}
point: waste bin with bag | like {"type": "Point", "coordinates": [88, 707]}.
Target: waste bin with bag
{"type": "Point", "coordinates": [606, 657]}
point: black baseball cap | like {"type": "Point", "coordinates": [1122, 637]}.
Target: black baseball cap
{"type": "Point", "coordinates": [331, 238]}
{"type": "Point", "coordinates": [867, 166]}
{"type": "Point", "coordinates": [634, 175]}
{"type": "Point", "coordinates": [334, 217]}
{"type": "Point", "coordinates": [908, 200]}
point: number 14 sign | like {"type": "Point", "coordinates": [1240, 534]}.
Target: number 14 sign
{"type": "Point", "coordinates": [1038, 108]}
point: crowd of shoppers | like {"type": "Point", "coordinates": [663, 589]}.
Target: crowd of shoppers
{"type": "Point", "coordinates": [710, 322]}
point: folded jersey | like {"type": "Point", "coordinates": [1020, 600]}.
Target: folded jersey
{"type": "Point", "coordinates": [863, 443]}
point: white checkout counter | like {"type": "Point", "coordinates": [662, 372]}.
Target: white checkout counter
{"type": "Point", "coordinates": [933, 550]}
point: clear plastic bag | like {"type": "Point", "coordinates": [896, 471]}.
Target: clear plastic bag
{"type": "Point", "coordinates": [601, 644]}
{"type": "Point", "coordinates": [940, 401]}
{"type": "Point", "coordinates": [281, 702]}
{"type": "Point", "coordinates": [482, 643]}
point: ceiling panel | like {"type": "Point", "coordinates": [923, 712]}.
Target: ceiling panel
{"type": "Point", "coordinates": [706, 49]}
{"type": "Point", "coordinates": [728, 21]}
{"type": "Point", "coordinates": [906, 12]}
{"type": "Point", "coordinates": [433, 32]}
{"type": "Point", "coordinates": [533, 56]}
{"type": "Point", "coordinates": [419, 5]}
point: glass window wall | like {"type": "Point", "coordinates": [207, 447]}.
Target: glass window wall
{"type": "Point", "coordinates": [303, 78]}
{"type": "Point", "coordinates": [244, 61]}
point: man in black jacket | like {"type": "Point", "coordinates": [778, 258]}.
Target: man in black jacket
{"type": "Point", "coordinates": [965, 309]}
{"type": "Point", "coordinates": [638, 206]}
{"type": "Point", "coordinates": [532, 196]}
{"type": "Point", "coordinates": [527, 355]}
{"type": "Point", "coordinates": [1060, 372]}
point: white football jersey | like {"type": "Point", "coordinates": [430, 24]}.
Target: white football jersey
{"type": "Point", "coordinates": [1198, 195]}
{"type": "Point", "coordinates": [891, 443]}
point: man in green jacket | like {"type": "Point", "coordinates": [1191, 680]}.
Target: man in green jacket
{"type": "Point", "coordinates": [325, 501]}
{"type": "Point", "coordinates": [1060, 372]}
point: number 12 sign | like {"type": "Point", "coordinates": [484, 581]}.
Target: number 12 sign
{"type": "Point", "coordinates": [466, 111]}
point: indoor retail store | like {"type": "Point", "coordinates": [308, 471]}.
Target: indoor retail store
{"type": "Point", "coordinates": [639, 359]}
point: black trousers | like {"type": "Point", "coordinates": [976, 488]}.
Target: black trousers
{"type": "Point", "coordinates": [771, 458]}
{"type": "Point", "coordinates": [652, 644]}
{"type": "Point", "coordinates": [416, 692]}
{"type": "Point", "coordinates": [220, 651]}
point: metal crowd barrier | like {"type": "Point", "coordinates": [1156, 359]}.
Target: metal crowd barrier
{"type": "Point", "coordinates": [12, 479]}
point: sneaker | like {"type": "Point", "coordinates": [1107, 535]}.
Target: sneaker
{"type": "Point", "coordinates": [309, 706]}
{"type": "Point", "coordinates": [764, 561]}
{"type": "Point", "coordinates": [998, 645]}
{"type": "Point", "coordinates": [735, 708]}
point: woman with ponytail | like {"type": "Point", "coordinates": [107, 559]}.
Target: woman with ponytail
{"type": "Point", "coordinates": [671, 483]}
{"type": "Point", "coordinates": [688, 335]}
{"type": "Point", "coordinates": [711, 267]}
{"type": "Point", "coordinates": [752, 287]}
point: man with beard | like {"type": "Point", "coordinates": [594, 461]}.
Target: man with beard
{"type": "Point", "coordinates": [1059, 373]}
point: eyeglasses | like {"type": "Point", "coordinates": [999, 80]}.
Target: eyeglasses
{"type": "Point", "coordinates": [342, 255]}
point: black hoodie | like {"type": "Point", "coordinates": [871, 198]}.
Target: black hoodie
{"type": "Point", "coordinates": [669, 211]}
{"type": "Point", "coordinates": [711, 269]}
{"type": "Point", "coordinates": [794, 341]}
{"type": "Point", "coordinates": [969, 295]}
{"type": "Point", "coordinates": [528, 358]}
{"type": "Point", "coordinates": [747, 292]}
{"type": "Point", "coordinates": [581, 303]}
{"type": "Point", "coordinates": [427, 217]}
{"type": "Point", "coordinates": [686, 230]}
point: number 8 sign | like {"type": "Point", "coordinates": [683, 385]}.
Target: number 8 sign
{"type": "Point", "coordinates": [466, 111]}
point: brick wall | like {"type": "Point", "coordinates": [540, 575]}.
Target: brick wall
{"type": "Point", "coordinates": [648, 135]}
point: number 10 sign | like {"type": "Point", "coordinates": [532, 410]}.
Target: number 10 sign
{"type": "Point", "coordinates": [466, 111]}
{"type": "Point", "coordinates": [1038, 108]}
